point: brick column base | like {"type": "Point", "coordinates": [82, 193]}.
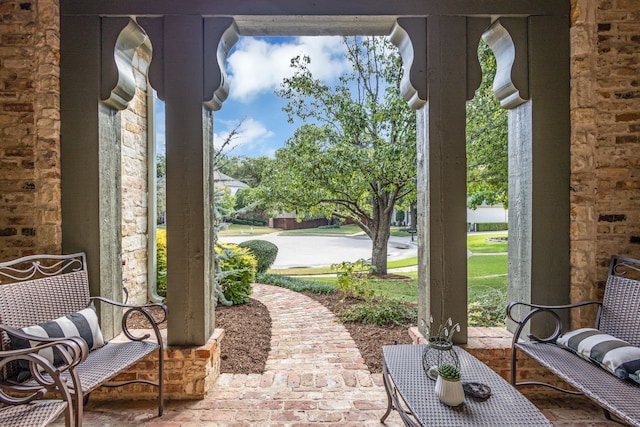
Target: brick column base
{"type": "Point", "coordinates": [189, 372]}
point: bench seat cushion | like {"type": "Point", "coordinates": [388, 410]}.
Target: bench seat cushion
{"type": "Point", "coordinates": [106, 362]}
{"type": "Point", "coordinates": [613, 354]}
{"type": "Point", "coordinates": [35, 414]}
{"type": "Point", "coordinates": [619, 397]}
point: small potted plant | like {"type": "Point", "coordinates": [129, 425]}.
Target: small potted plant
{"type": "Point", "coordinates": [448, 386]}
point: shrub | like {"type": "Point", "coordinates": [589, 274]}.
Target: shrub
{"type": "Point", "coordinates": [380, 312]}
{"type": "Point", "coordinates": [161, 262]}
{"type": "Point", "coordinates": [264, 251]}
{"type": "Point", "coordinates": [297, 285]}
{"type": "Point", "coordinates": [258, 222]}
{"type": "Point", "coordinates": [353, 278]}
{"type": "Point", "coordinates": [238, 268]}
{"type": "Point", "coordinates": [487, 308]}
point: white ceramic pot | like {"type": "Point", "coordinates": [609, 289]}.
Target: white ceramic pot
{"type": "Point", "coordinates": [449, 392]}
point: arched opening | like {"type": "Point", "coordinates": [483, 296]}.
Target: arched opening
{"type": "Point", "coordinates": [439, 82]}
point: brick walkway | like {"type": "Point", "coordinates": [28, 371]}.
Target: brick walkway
{"type": "Point", "coordinates": [314, 376]}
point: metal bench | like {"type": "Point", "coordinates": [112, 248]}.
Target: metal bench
{"type": "Point", "coordinates": [40, 288]}
{"type": "Point", "coordinates": [618, 315]}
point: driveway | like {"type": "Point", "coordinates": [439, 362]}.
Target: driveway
{"type": "Point", "coordinates": [320, 251]}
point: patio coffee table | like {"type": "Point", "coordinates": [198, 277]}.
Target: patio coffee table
{"type": "Point", "coordinates": [406, 381]}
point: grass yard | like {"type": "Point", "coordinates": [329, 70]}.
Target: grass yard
{"type": "Point", "coordinates": [488, 265]}
{"type": "Point", "coordinates": [477, 243]}
{"type": "Point", "coordinates": [323, 231]}
{"type": "Point", "coordinates": [246, 230]}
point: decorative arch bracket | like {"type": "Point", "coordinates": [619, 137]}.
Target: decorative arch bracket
{"type": "Point", "coordinates": [224, 33]}
{"type": "Point", "coordinates": [409, 35]}
{"type": "Point", "coordinates": [120, 39]}
{"type": "Point", "coordinates": [508, 39]}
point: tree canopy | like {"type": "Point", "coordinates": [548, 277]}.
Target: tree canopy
{"type": "Point", "coordinates": [354, 156]}
{"type": "Point", "coordinates": [487, 140]}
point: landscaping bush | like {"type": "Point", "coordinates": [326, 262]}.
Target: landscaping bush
{"type": "Point", "coordinates": [264, 251]}
{"type": "Point", "coordinates": [161, 262]}
{"type": "Point", "coordinates": [487, 307]}
{"type": "Point", "coordinates": [380, 312]}
{"type": "Point", "coordinates": [297, 285]}
{"type": "Point", "coordinates": [257, 222]}
{"type": "Point", "coordinates": [491, 226]}
{"type": "Point", "coordinates": [238, 267]}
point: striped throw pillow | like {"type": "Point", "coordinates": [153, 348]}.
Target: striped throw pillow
{"type": "Point", "coordinates": [83, 324]}
{"type": "Point", "coordinates": [613, 354]}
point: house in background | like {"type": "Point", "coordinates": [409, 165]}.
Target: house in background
{"type": "Point", "coordinates": [228, 182]}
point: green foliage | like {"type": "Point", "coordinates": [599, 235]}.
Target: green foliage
{"type": "Point", "coordinates": [492, 226]}
{"type": "Point", "coordinates": [487, 173]}
{"type": "Point", "coordinates": [487, 307]}
{"type": "Point", "coordinates": [258, 222]}
{"type": "Point", "coordinates": [238, 267]}
{"type": "Point", "coordinates": [297, 285]}
{"type": "Point", "coordinates": [265, 253]}
{"type": "Point", "coordinates": [380, 312]}
{"type": "Point", "coordinates": [354, 156]}
{"type": "Point", "coordinates": [449, 372]}
{"type": "Point", "coordinates": [161, 262]}
{"type": "Point", "coordinates": [353, 278]}
{"type": "Point", "coordinates": [249, 170]}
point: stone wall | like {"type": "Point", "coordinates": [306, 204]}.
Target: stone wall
{"type": "Point", "coordinates": [134, 185]}
{"type": "Point", "coordinates": [605, 161]}
{"type": "Point", "coordinates": [30, 214]}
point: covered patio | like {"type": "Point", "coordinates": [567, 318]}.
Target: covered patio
{"type": "Point", "coordinates": [314, 375]}
{"type": "Point", "coordinates": [72, 72]}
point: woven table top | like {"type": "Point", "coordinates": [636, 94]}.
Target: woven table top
{"type": "Point", "coordinates": [505, 407]}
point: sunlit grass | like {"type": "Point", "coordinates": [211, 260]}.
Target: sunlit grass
{"type": "Point", "coordinates": [322, 231]}
{"type": "Point", "coordinates": [246, 230]}
{"type": "Point", "coordinates": [477, 243]}
{"type": "Point", "coordinates": [488, 265]}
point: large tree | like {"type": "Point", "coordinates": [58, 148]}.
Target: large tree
{"type": "Point", "coordinates": [354, 157]}
{"type": "Point", "coordinates": [487, 135]}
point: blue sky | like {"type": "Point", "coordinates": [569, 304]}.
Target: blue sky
{"type": "Point", "coordinates": [256, 66]}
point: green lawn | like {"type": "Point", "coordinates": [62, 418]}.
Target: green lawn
{"type": "Point", "coordinates": [477, 243]}
{"type": "Point", "coordinates": [244, 230]}
{"type": "Point", "coordinates": [487, 265]}
{"type": "Point", "coordinates": [321, 231]}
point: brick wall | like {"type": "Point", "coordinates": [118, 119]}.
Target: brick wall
{"type": "Point", "coordinates": [605, 114]}
{"type": "Point", "coordinates": [30, 215]}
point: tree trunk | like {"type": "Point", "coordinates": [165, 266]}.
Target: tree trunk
{"type": "Point", "coordinates": [380, 241]}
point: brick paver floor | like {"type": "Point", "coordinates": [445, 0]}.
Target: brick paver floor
{"type": "Point", "coordinates": [314, 376]}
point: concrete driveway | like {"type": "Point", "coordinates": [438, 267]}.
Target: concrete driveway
{"type": "Point", "coordinates": [320, 251]}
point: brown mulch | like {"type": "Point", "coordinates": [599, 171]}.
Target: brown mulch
{"type": "Point", "coordinates": [247, 334]}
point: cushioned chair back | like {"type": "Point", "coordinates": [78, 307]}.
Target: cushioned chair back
{"type": "Point", "coordinates": [29, 301]}
{"type": "Point", "coordinates": [620, 315]}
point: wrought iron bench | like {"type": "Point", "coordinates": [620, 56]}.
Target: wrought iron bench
{"type": "Point", "coordinates": [618, 316]}
{"type": "Point", "coordinates": [44, 293]}
{"type": "Point", "coordinates": [26, 406]}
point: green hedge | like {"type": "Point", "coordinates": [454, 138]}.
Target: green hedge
{"type": "Point", "coordinates": [489, 226]}
{"type": "Point", "coordinates": [264, 251]}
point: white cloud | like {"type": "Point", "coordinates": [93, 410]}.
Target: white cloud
{"type": "Point", "coordinates": [251, 134]}
{"type": "Point", "coordinates": [257, 66]}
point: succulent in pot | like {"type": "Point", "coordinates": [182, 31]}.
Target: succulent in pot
{"type": "Point", "coordinates": [448, 386]}
{"type": "Point", "coordinates": [449, 372]}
